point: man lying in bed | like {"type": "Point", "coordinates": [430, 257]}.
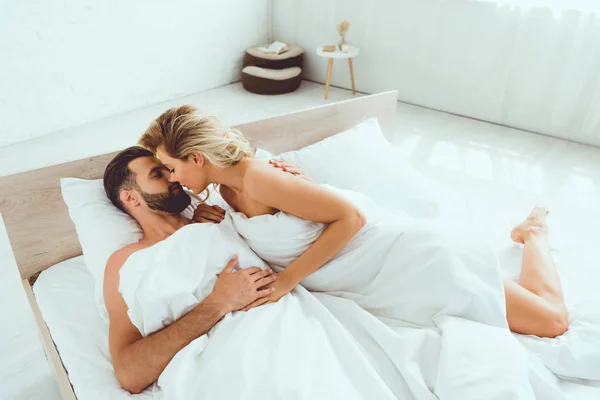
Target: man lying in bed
{"type": "Point", "coordinates": [136, 182]}
{"type": "Point", "coordinates": [166, 294]}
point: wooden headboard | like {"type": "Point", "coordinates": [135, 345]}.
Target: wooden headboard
{"type": "Point", "coordinates": [37, 220]}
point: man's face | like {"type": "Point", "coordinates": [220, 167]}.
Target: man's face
{"type": "Point", "coordinates": [157, 192]}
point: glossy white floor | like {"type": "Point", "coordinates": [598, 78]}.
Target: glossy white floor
{"type": "Point", "coordinates": [505, 170]}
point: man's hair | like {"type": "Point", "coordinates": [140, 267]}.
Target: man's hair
{"type": "Point", "coordinates": [118, 176]}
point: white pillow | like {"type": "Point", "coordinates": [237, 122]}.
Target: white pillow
{"type": "Point", "coordinates": [263, 154]}
{"type": "Point", "coordinates": [362, 159]}
{"type": "Point", "coordinates": [101, 227]}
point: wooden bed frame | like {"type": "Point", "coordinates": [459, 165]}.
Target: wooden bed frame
{"type": "Point", "coordinates": [42, 234]}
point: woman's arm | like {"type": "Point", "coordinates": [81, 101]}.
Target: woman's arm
{"type": "Point", "coordinates": [307, 201]}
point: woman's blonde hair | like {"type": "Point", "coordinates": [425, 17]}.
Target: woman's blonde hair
{"type": "Point", "coordinates": [183, 130]}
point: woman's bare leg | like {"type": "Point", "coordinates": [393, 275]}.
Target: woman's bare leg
{"type": "Point", "coordinates": [535, 305]}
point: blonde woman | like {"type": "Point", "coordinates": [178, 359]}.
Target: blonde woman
{"type": "Point", "coordinates": [198, 151]}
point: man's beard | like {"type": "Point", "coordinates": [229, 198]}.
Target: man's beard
{"type": "Point", "coordinates": [168, 201]}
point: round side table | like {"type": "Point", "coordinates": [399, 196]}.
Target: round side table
{"type": "Point", "coordinates": [352, 52]}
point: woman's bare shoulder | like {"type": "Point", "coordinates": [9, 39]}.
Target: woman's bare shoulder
{"type": "Point", "coordinates": [260, 172]}
{"type": "Point", "coordinates": [254, 165]}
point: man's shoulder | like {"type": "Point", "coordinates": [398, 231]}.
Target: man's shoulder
{"type": "Point", "coordinates": [113, 267]}
{"type": "Point", "coordinates": [118, 258]}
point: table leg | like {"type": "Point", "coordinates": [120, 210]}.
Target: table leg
{"type": "Point", "coordinates": [329, 67]}
{"type": "Point", "coordinates": [351, 74]}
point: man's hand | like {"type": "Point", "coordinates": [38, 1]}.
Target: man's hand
{"type": "Point", "coordinates": [292, 169]}
{"type": "Point", "coordinates": [236, 289]}
{"type": "Point", "coordinates": [280, 288]}
{"type": "Point", "coordinates": [206, 213]}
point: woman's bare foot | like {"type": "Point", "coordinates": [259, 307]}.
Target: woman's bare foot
{"type": "Point", "coordinates": [534, 223]}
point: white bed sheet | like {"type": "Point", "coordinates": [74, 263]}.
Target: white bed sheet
{"type": "Point", "coordinates": [65, 294]}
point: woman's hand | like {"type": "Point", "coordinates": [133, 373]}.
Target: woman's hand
{"type": "Point", "coordinates": [281, 287]}
{"type": "Point", "coordinates": [292, 169]}
{"type": "Point", "coordinates": [206, 213]}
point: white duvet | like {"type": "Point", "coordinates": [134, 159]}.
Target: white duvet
{"type": "Point", "coordinates": [429, 305]}
{"type": "Point", "coordinates": [294, 349]}
{"type": "Point", "coordinates": [396, 267]}
{"type": "Point", "coordinates": [409, 309]}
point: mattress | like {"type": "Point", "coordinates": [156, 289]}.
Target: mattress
{"type": "Point", "coordinates": [65, 295]}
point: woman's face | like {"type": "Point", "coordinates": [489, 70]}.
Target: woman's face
{"type": "Point", "coordinates": [188, 172]}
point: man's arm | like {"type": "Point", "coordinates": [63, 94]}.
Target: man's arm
{"type": "Point", "coordinates": [138, 361]}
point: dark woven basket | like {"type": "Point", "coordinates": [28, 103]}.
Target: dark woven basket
{"type": "Point", "coordinates": [255, 84]}
{"type": "Point", "coordinates": [261, 85]}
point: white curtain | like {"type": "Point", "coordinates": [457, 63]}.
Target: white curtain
{"type": "Point", "coordinates": [530, 64]}
{"type": "Point", "coordinates": [519, 63]}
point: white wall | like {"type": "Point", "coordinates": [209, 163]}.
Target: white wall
{"type": "Point", "coordinates": [530, 64]}
{"type": "Point", "coordinates": [64, 63]}
{"type": "Point", "coordinates": [67, 62]}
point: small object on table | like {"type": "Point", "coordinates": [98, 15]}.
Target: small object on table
{"type": "Point", "coordinates": [331, 55]}
{"type": "Point", "coordinates": [329, 48]}
{"type": "Point", "coordinates": [342, 29]}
